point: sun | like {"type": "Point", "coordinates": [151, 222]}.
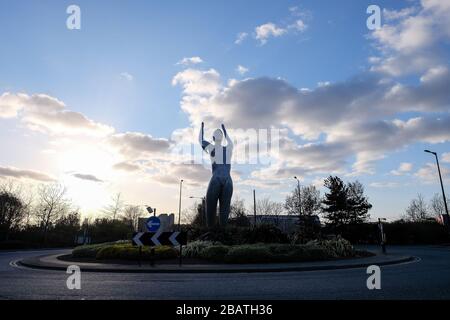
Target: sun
{"type": "Point", "coordinates": [86, 159]}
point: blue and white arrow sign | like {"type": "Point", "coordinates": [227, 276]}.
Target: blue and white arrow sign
{"type": "Point", "coordinates": [153, 224]}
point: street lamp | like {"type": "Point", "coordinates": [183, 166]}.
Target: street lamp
{"type": "Point", "coordinates": [299, 195]}
{"type": "Point", "coordinates": [442, 187]}
{"type": "Point", "coordinates": [151, 210]}
{"type": "Point", "coordinates": [382, 234]}
{"type": "Point", "coordinates": [179, 206]}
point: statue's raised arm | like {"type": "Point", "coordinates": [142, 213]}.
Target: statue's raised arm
{"type": "Point", "coordinates": [229, 140]}
{"type": "Point", "coordinates": [206, 145]}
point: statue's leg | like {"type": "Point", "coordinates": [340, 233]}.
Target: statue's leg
{"type": "Point", "coordinates": [225, 202]}
{"type": "Point", "coordinates": [212, 196]}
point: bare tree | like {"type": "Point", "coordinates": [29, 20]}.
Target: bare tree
{"type": "Point", "coordinates": [437, 207]}
{"type": "Point", "coordinates": [194, 214]}
{"type": "Point", "coordinates": [116, 207]}
{"type": "Point", "coordinates": [238, 212]}
{"type": "Point", "coordinates": [238, 208]}
{"type": "Point", "coordinates": [304, 201]}
{"type": "Point", "coordinates": [52, 205]}
{"type": "Point", "coordinates": [417, 209]}
{"type": "Point", "coordinates": [131, 215]}
{"type": "Point", "coordinates": [267, 207]}
{"type": "Point", "coordinates": [263, 206]}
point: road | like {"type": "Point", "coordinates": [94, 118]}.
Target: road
{"type": "Point", "coordinates": [428, 278]}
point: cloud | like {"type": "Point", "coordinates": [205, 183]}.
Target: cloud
{"type": "Point", "coordinates": [197, 82]}
{"type": "Point", "coordinates": [241, 70]}
{"type": "Point", "coordinates": [446, 157]}
{"type": "Point", "coordinates": [384, 184]}
{"type": "Point", "coordinates": [11, 104]}
{"type": "Point", "coordinates": [190, 61]}
{"type": "Point", "coordinates": [25, 174]}
{"type": "Point", "coordinates": [364, 117]}
{"type": "Point", "coordinates": [192, 174]}
{"type": "Point", "coordinates": [391, 15]}
{"type": "Point", "coordinates": [241, 37]}
{"type": "Point", "coordinates": [136, 144]}
{"type": "Point", "coordinates": [267, 30]}
{"type": "Point", "coordinates": [412, 38]}
{"type": "Point", "coordinates": [126, 76]}
{"type": "Point", "coordinates": [404, 168]}
{"type": "Point", "coordinates": [88, 177]}
{"type": "Point", "coordinates": [127, 166]}
{"type": "Point", "coordinates": [44, 113]}
{"type": "Point", "coordinates": [299, 26]}
{"type": "Point", "coordinates": [429, 173]}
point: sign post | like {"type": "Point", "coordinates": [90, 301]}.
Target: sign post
{"type": "Point", "coordinates": [154, 239]}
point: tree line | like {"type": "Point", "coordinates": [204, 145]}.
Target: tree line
{"type": "Point", "coordinates": [46, 216]}
{"type": "Point", "coordinates": [342, 204]}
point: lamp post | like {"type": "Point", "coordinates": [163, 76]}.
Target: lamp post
{"type": "Point", "coordinates": [179, 206]}
{"type": "Point", "coordinates": [299, 195]}
{"type": "Point", "coordinates": [442, 187]}
{"type": "Point", "coordinates": [382, 234]}
{"type": "Point", "coordinates": [151, 210]}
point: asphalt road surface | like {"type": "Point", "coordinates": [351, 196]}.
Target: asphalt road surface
{"type": "Point", "coordinates": [428, 278]}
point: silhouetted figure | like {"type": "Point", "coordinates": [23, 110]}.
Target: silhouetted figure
{"type": "Point", "coordinates": [220, 187]}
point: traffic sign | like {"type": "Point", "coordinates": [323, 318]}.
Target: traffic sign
{"type": "Point", "coordinates": [154, 239]}
{"type": "Point", "coordinates": [153, 224]}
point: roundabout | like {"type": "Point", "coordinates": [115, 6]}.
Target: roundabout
{"type": "Point", "coordinates": [60, 262]}
{"type": "Point", "coordinates": [424, 278]}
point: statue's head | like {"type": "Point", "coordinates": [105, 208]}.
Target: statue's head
{"type": "Point", "coordinates": [218, 136]}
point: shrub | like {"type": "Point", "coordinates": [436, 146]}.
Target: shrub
{"type": "Point", "coordinates": [122, 250]}
{"type": "Point", "coordinates": [215, 253]}
{"type": "Point", "coordinates": [88, 251]}
{"type": "Point", "coordinates": [265, 233]}
{"type": "Point", "coordinates": [194, 249]}
{"type": "Point", "coordinates": [248, 254]}
{"type": "Point", "coordinates": [334, 248]}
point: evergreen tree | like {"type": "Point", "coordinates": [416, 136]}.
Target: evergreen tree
{"type": "Point", "coordinates": [334, 204]}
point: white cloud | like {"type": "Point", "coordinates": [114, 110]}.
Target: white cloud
{"type": "Point", "coordinates": [44, 113]}
{"type": "Point", "coordinates": [11, 104]}
{"type": "Point", "coordinates": [242, 70]}
{"type": "Point", "coordinates": [126, 76]}
{"type": "Point", "coordinates": [446, 157]}
{"type": "Point", "coordinates": [349, 116]}
{"type": "Point", "coordinates": [267, 30]}
{"type": "Point", "coordinates": [197, 82]}
{"type": "Point", "coordinates": [429, 173]}
{"type": "Point", "coordinates": [391, 15]}
{"type": "Point", "coordinates": [241, 37]}
{"type": "Point", "coordinates": [190, 61]}
{"type": "Point", "coordinates": [411, 39]}
{"type": "Point", "coordinates": [404, 168]}
{"type": "Point", "coordinates": [299, 26]}
{"type": "Point", "coordinates": [384, 184]}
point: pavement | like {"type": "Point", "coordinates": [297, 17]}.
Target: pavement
{"type": "Point", "coordinates": [427, 277]}
{"type": "Point", "coordinates": [51, 262]}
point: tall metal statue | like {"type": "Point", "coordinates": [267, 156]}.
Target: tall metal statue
{"type": "Point", "coordinates": [221, 185]}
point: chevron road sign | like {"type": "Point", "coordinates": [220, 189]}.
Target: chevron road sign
{"type": "Point", "coordinates": [154, 239]}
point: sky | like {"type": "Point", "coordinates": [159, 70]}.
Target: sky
{"type": "Point", "coordinates": [116, 105]}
